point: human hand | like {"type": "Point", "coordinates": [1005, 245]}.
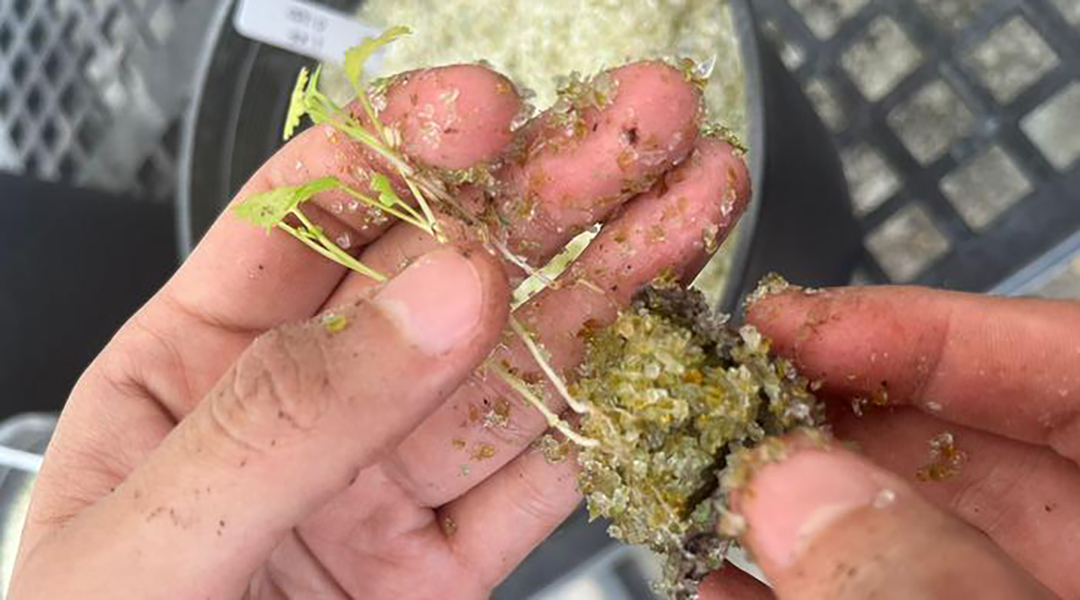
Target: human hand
{"type": "Point", "coordinates": [1001, 520]}
{"type": "Point", "coordinates": [228, 443]}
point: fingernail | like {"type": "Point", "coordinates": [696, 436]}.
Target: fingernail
{"type": "Point", "coordinates": [436, 302]}
{"type": "Point", "coordinates": [789, 503]}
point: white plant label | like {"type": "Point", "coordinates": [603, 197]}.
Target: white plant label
{"type": "Point", "coordinates": [301, 27]}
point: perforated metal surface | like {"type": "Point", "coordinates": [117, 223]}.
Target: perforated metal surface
{"type": "Point", "coordinates": [91, 91]}
{"type": "Point", "coordinates": [957, 121]}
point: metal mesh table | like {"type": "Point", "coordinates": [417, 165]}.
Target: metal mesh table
{"type": "Point", "coordinates": [958, 122]}
{"type": "Point", "coordinates": [92, 93]}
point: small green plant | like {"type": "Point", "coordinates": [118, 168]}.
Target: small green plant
{"type": "Point", "coordinates": [282, 207]}
{"type": "Point", "coordinates": [275, 208]}
{"type": "Point", "coordinates": [278, 207]}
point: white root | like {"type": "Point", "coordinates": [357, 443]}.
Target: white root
{"type": "Point", "coordinates": [553, 420]}
{"type": "Point", "coordinates": [538, 355]}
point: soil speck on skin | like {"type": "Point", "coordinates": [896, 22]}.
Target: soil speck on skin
{"type": "Point", "coordinates": [334, 323]}
{"type": "Point", "coordinates": [555, 451]}
{"type": "Point", "coordinates": [499, 414]}
{"type": "Point", "coordinates": [449, 526]}
{"type": "Point", "coordinates": [879, 398]}
{"type": "Point", "coordinates": [176, 520]}
{"type": "Point", "coordinates": [458, 443]}
{"type": "Point", "coordinates": [946, 459]}
{"type": "Point", "coordinates": [483, 451]}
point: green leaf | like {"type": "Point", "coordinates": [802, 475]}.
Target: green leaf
{"type": "Point", "coordinates": [318, 186]}
{"type": "Point", "coordinates": [313, 82]}
{"type": "Point", "coordinates": [267, 209]}
{"type": "Point", "coordinates": [270, 208]}
{"type": "Point", "coordinates": [387, 196]}
{"type": "Point", "coordinates": [297, 104]}
{"type": "Point", "coordinates": [359, 54]}
{"type": "Point", "coordinates": [321, 109]}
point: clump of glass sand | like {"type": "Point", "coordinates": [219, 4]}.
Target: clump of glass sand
{"type": "Point", "coordinates": [681, 403]}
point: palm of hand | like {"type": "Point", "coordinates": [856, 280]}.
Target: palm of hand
{"type": "Point", "coordinates": [214, 450]}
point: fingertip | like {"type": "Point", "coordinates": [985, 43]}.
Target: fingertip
{"type": "Point", "coordinates": [880, 343]}
{"type": "Point", "coordinates": [575, 171]}
{"type": "Point", "coordinates": [787, 503]}
{"type": "Point", "coordinates": [447, 299]}
{"type": "Point", "coordinates": [453, 117]}
{"type": "Point", "coordinates": [661, 102]}
{"type": "Point", "coordinates": [732, 583]}
{"type": "Point", "coordinates": [774, 312]}
{"type": "Point", "coordinates": [736, 175]}
{"type": "Point", "coordinates": [674, 227]}
{"type": "Point", "coordinates": [826, 523]}
{"type": "Point", "coordinates": [496, 290]}
{"type": "Point", "coordinates": [718, 167]}
{"type": "Point", "coordinates": [788, 314]}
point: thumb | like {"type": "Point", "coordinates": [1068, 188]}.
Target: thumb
{"type": "Point", "coordinates": [827, 524]}
{"type": "Point", "coordinates": [290, 425]}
